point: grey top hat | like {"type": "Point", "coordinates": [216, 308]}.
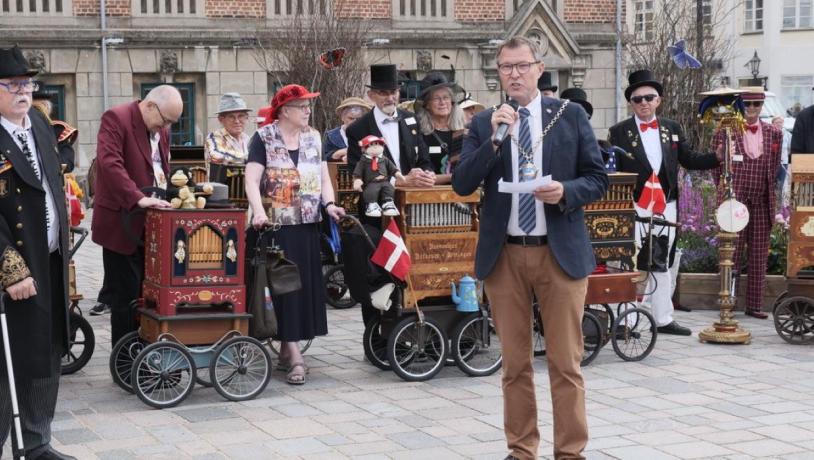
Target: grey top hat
{"type": "Point", "coordinates": [232, 102]}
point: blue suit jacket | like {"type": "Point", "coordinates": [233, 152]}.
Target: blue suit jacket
{"type": "Point", "coordinates": [570, 154]}
{"type": "Point", "coordinates": [333, 142]}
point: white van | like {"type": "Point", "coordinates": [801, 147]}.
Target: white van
{"type": "Point", "coordinates": [773, 108]}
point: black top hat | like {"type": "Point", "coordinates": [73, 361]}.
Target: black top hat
{"type": "Point", "coordinates": [14, 64]}
{"type": "Point", "coordinates": [384, 77]}
{"type": "Point", "coordinates": [579, 96]}
{"type": "Point", "coordinates": [639, 78]}
{"type": "Point", "coordinates": [544, 83]}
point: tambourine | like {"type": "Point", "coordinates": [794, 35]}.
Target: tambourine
{"type": "Point", "coordinates": [732, 216]}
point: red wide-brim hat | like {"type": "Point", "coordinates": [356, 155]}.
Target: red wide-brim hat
{"type": "Point", "coordinates": [287, 94]}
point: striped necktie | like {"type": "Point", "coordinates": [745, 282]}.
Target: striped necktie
{"type": "Point", "coordinates": [526, 212]}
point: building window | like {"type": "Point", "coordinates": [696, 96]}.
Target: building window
{"type": "Point", "coordinates": [182, 132]}
{"type": "Point", "coordinates": [643, 20]}
{"type": "Point", "coordinates": [796, 14]}
{"type": "Point", "coordinates": [57, 94]}
{"type": "Point", "coordinates": [36, 7]}
{"type": "Point", "coordinates": [753, 15]}
{"type": "Point", "coordinates": [796, 92]}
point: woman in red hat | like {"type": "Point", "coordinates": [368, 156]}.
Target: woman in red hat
{"type": "Point", "coordinates": [286, 184]}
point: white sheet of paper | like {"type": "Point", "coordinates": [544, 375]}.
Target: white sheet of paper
{"type": "Point", "coordinates": [522, 187]}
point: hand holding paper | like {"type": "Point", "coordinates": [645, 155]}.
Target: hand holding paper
{"type": "Point", "coordinates": [522, 187]}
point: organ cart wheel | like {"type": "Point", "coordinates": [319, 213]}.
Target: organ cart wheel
{"type": "Point", "coordinates": [779, 299]}
{"type": "Point", "coordinates": [476, 346]}
{"type": "Point", "coordinates": [593, 336]}
{"type": "Point", "coordinates": [416, 351]}
{"type": "Point", "coordinates": [80, 344]}
{"type": "Point", "coordinates": [336, 289]}
{"type": "Point", "coordinates": [375, 344]}
{"type": "Point", "coordinates": [122, 355]}
{"type": "Point", "coordinates": [634, 334]}
{"type": "Point", "coordinates": [240, 368]}
{"type": "Point", "coordinates": [794, 319]}
{"type": "Point", "coordinates": [163, 374]}
{"type": "Point", "coordinates": [274, 345]}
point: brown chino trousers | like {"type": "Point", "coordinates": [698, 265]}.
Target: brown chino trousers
{"type": "Point", "coordinates": [518, 271]}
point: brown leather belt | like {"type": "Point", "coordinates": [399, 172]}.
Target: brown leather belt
{"type": "Point", "coordinates": [528, 240]}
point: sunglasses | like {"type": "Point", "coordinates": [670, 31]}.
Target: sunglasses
{"type": "Point", "coordinates": [753, 103]}
{"type": "Point", "coordinates": [646, 97]}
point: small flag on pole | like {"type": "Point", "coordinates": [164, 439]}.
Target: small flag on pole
{"type": "Point", "coordinates": [653, 198]}
{"type": "Point", "coordinates": [391, 254]}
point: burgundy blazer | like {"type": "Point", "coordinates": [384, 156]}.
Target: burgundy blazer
{"type": "Point", "coordinates": [124, 163]}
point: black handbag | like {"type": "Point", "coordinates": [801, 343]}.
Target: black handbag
{"type": "Point", "coordinates": [283, 275]}
{"type": "Point", "coordinates": [660, 253]}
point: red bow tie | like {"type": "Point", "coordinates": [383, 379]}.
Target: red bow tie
{"type": "Point", "coordinates": [653, 124]}
{"type": "Point", "coordinates": [753, 128]}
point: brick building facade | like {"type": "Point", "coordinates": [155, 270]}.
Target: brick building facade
{"type": "Point", "coordinates": [199, 45]}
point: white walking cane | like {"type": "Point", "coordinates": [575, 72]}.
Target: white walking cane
{"type": "Point", "coordinates": [15, 411]}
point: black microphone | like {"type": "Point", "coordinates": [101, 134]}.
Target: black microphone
{"type": "Point", "coordinates": [503, 128]}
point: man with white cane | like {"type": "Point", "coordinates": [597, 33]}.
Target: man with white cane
{"type": "Point", "coordinates": [33, 264]}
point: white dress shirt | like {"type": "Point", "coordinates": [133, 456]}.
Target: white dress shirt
{"type": "Point", "coordinates": [390, 132]}
{"type": "Point", "coordinates": [651, 144]}
{"type": "Point", "coordinates": [536, 127]}
{"type": "Point", "coordinates": [51, 210]}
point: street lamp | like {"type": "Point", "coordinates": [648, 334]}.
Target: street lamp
{"type": "Point", "coordinates": [754, 68]}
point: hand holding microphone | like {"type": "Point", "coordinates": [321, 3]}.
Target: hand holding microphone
{"type": "Point", "coordinates": [502, 121]}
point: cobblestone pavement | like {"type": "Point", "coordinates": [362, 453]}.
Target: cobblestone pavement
{"type": "Point", "coordinates": [687, 400]}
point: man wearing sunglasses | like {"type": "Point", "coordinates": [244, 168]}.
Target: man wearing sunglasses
{"type": "Point", "coordinates": [132, 153]}
{"type": "Point", "coordinates": [658, 145]}
{"type": "Point", "coordinates": [755, 161]}
{"type": "Point", "coordinates": [33, 259]}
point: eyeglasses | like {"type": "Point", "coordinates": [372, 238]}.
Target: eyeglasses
{"type": "Point", "coordinates": [753, 103]}
{"type": "Point", "coordinates": [646, 97]}
{"type": "Point", "coordinates": [165, 121]}
{"type": "Point", "coordinates": [441, 99]}
{"type": "Point", "coordinates": [303, 107]}
{"type": "Point", "coordinates": [20, 86]}
{"type": "Point", "coordinates": [522, 67]}
{"type": "Point", "coordinates": [234, 117]}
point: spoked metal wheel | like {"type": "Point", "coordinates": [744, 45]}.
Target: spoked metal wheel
{"type": "Point", "coordinates": [794, 320]}
{"type": "Point", "coordinates": [240, 369]}
{"type": "Point", "coordinates": [375, 344]}
{"type": "Point", "coordinates": [336, 289]}
{"type": "Point", "coordinates": [122, 355]}
{"type": "Point", "coordinates": [416, 351]}
{"type": "Point", "coordinates": [782, 296]}
{"type": "Point", "coordinates": [634, 334]}
{"type": "Point", "coordinates": [163, 374]}
{"type": "Point", "coordinates": [593, 336]}
{"type": "Point", "coordinates": [274, 345]}
{"type": "Point", "coordinates": [80, 344]}
{"type": "Point", "coordinates": [476, 346]}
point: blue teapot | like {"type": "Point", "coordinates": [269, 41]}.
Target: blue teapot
{"type": "Point", "coordinates": [467, 302]}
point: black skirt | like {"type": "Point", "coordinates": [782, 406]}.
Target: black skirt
{"type": "Point", "coordinates": [301, 314]}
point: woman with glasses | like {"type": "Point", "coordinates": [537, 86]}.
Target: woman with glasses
{"type": "Point", "coordinates": [442, 123]}
{"type": "Point", "coordinates": [755, 161]}
{"type": "Point", "coordinates": [287, 183]}
{"type": "Point", "coordinates": [336, 141]}
{"type": "Point", "coordinates": [229, 144]}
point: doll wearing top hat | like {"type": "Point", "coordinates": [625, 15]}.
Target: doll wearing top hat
{"type": "Point", "coordinates": [372, 177]}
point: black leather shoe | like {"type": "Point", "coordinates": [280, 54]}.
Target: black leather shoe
{"type": "Point", "coordinates": [52, 454]}
{"type": "Point", "coordinates": [674, 329]}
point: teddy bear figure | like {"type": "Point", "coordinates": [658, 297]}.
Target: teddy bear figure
{"type": "Point", "coordinates": [372, 177]}
{"type": "Point", "coordinates": [183, 193]}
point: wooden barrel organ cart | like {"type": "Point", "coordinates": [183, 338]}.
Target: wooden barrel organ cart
{"type": "Point", "coordinates": [193, 320]}
{"type": "Point", "coordinates": [793, 310]}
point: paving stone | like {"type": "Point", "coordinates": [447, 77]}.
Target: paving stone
{"type": "Point", "coordinates": [694, 449]}
{"type": "Point", "coordinates": [765, 447]}
{"type": "Point", "coordinates": [75, 436]}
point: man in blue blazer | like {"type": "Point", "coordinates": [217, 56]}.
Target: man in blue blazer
{"type": "Point", "coordinates": [535, 243]}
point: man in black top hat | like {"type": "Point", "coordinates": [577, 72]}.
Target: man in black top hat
{"type": "Point", "coordinates": [33, 259]}
{"type": "Point", "coordinates": [545, 86]}
{"type": "Point", "coordinates": [657, 146]}
{"type": "Point", "coordinates": [579, 96]}
{"type": "Point", "coordinates": [405, 146]}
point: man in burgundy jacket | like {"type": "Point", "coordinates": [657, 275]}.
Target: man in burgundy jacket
{"type": "Point", "coordinates": [132, 153]}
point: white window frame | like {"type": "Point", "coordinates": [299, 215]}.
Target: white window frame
{"type": "Point", "coordinates": [290, 8]}
{"type": "Point", "coordinates": [796, 88]}
{"type": "Point", "coordinates": [67, 8]}
{"type": "Point", "coordinates": [422, 10]}
{"type": "Point", "coordinates": [643, 13]}
{"type": "Point", "coordinates": [792, 14]}
{"type": "Point", "coordinates": [200, 5]}
{"type": "Point", "coordinates": [753, 16]}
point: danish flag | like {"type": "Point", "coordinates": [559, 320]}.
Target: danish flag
{"type": "Point", "coordinates": [653, 198]}
{"type": "Point", "coordinates": [391, 254]}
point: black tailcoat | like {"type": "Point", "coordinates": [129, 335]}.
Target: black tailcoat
{"type": "Point", "coordinates": [413, 151]}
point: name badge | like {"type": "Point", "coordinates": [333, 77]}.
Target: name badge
{"type": "Point", "coordinates": [675, 137]}
{"type": "Point", "coordinates": [410, 121]}
{"type": "Point", "coordinates": [738, 158]}
{"type": "Point", "coordinates": [435, 149]}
